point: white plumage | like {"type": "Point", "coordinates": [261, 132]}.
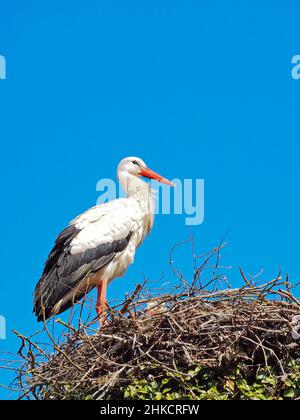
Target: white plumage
{"type": "Point", "coordinates": [98, 245]}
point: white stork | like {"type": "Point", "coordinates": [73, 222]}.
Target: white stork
{"type": "Point", "coordinates": [98, 245]}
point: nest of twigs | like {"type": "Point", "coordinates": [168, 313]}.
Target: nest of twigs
{"type": "Point", "coordinates": [255, 325]}
{"type": "Point", "coordinates": [179, 331]}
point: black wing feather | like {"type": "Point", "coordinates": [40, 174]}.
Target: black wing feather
{"type": "Point", "coordinates": [63, 270]}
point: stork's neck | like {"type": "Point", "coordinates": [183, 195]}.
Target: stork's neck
{"type": "Point", "coordinates": [133, 185]}
{"type": "Point", "coordinates": [138, 189]}
{"type": "Point", "coordinates": [141, 192]}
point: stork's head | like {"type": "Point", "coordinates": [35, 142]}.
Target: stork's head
{"type": "Point", "coordinates": [135, 166]}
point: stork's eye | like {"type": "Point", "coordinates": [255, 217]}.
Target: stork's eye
{"type": "Point", "coordinates": [135, 162]}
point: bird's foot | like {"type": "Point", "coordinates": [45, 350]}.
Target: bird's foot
{"type": "Point", "coordinates": [102, 314]}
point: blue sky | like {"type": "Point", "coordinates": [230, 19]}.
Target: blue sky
{"type": "Point", "coordinates": [197, 89]}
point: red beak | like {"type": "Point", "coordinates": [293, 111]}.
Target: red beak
{"type": "Point", "coordinates": [148, 173]}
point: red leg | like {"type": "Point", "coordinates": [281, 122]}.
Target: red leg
{"type": "Point", "coordinates": [101, 302]}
